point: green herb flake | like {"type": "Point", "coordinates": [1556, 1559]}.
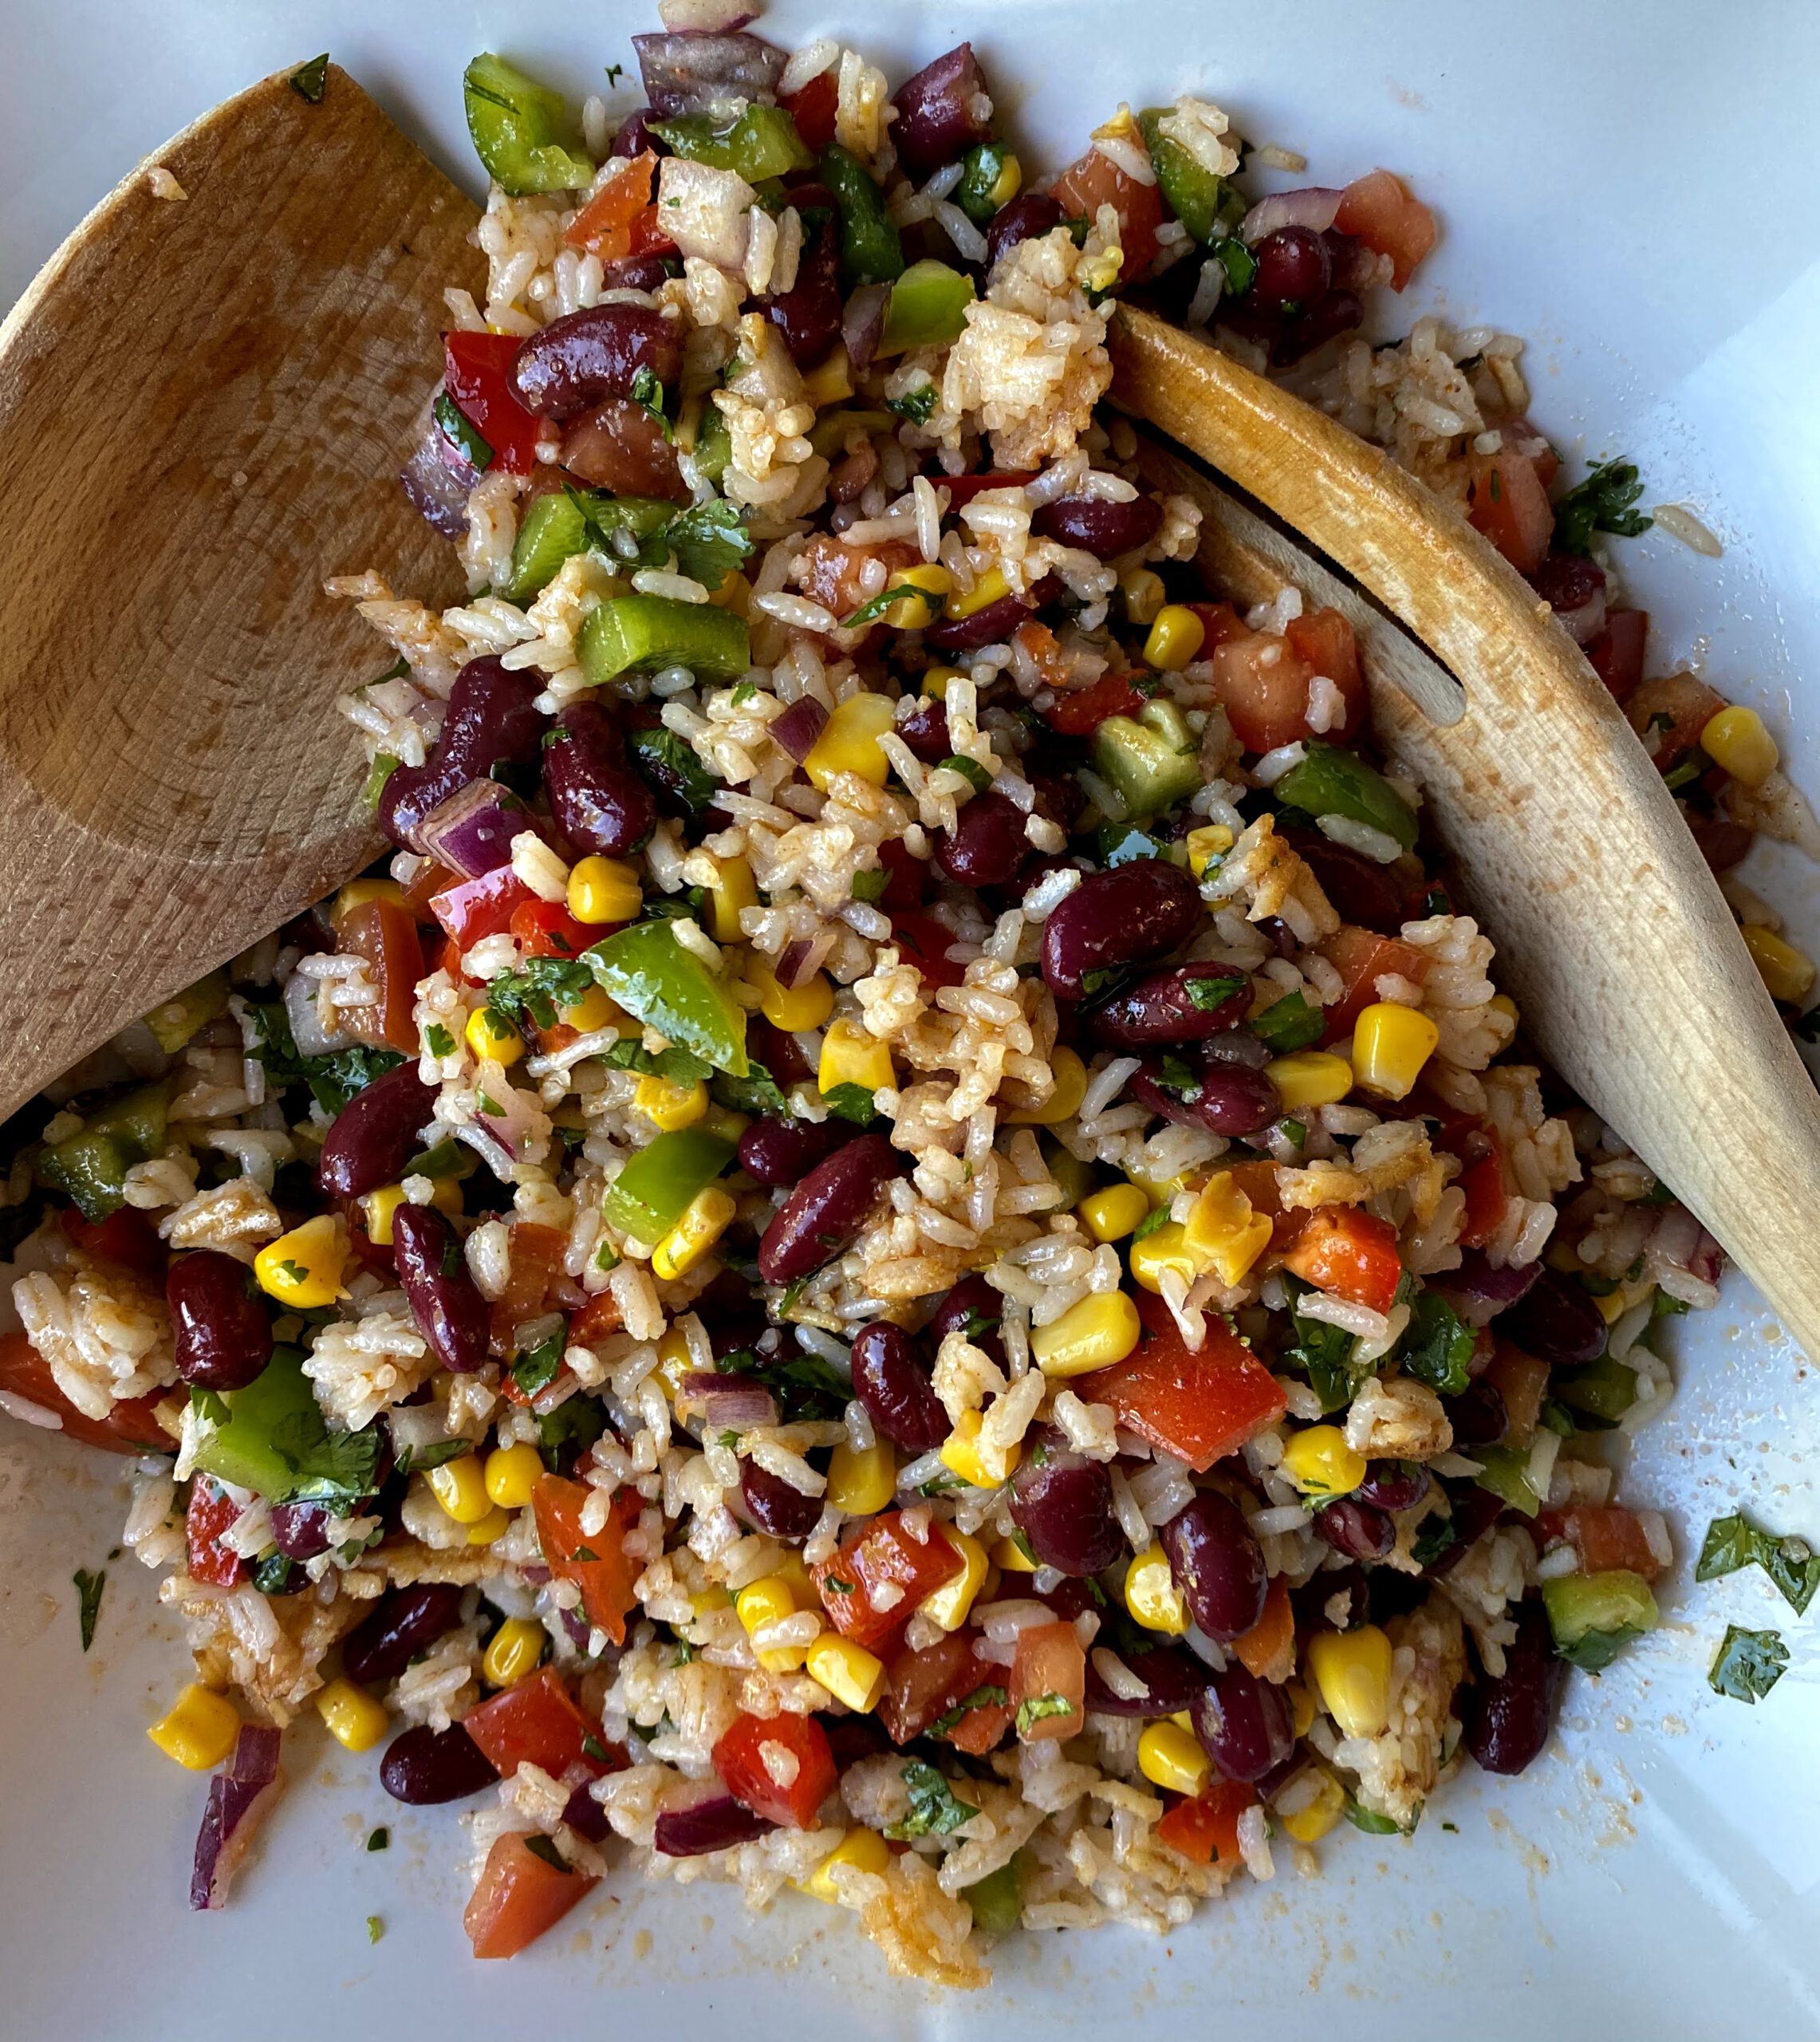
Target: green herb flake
{"type": "Point", "coordinates": [333, 1079]}
{"type": "Point", "coordinates": [1734, 1542]}
{"type": "Point", "coordinates": [1208, 995]}
{"type": "Point", "coordinates": [647, 394]}
{"type": "Point", "coordinates": [915, 405]}
{"type": "Point", "coordinates": [1749, 1664]}
{"type": "Point", "coordinates": [1295, 1131]}
{"type": "Point", "coordinates": [384, 765]}
{"type": "Point", "coordinates": [1437, 1348]}
{"type": "Point", "coordinates": [593, 1748]}
{"type": "Point", "coordinates": [1373, 1823]}
{"type": "Point", "coordinates": [441, 1042]}
{"type": "Point", "coordinates": [539, 988]}
{"type": "Point", "coordinates": [869, 886]}
{"type": "Point", "coordinates": [541, 1847]}
{"type": "Point", "coordinates": [1156, 1218]}
{"type": "Point", "coordinates": [710, 540]}
{"type": "Point", "coordinates": [744, 693]}
{"type": "Point", "coordinates": [310, 81]}
{"type": "Point", "coordinates": [461, 433]}
{"type": "Point", "coordinates": [852, 1102]}
{"type": "Point", "coordinates": [380, 1839]}
{"type": "Point", "coordinates": [535, 1371]}
{"type": "Point", "coordinates": [936, 1809]}
{"type": "Point", "coordinates": [331, 1468]}
{"type": "Point", "coordinates": [989, 1697]}
{"type": "Point", "coordinates": [1603, 502]}
{"type": "Point", "coordinates": [376, 1928]}
{"type": "Point", "coordinates": [615, 72]}
{"type": "Point", "coordinates": [840, 1587]}
{"type": "Point", "coordinates": [1039, 1706]}
{"type": "Point", "coordinates": [1289, 1025]}
{"type": "Point", "coordinates": [88, 1586]}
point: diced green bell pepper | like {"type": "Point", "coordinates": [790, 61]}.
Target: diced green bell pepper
{"type": "Point", "coordinates": [555, 526]}
{"type": "Point", "coordinates": [178, 1019]}
{"type": "Point", "coordinates": [989, 179]}
{"type": "Point", "coordinates": [927, 308]}
{"type": "Point", "coordinates": [1506, 1474]}
{"type": "Point", "coordinates": [670, 989]}
{"type": "Point", "coordinates": [872, 251]}
{"type": "Point", "coordinates": [1153, 758]}
{"type": "Point", "coordinates": [714, 442]}
{"type": "Point", "coordinates": [90, 1168]}
{"type": "Point", "coordinates": [1604, 1388]}
{"type": "Point", "coordinates": [1594, 1616]}
{"type": "Point", "coordinates": [1201, 199]}
{"type": "Point", "coordinates": [652, 1193]}
{"type": "Point", "coordinates": [138, 1117]}
{"type": "Point", "coordinates": [762, 143]}
{"type": "Point", "coordinates": [997, 1900]}
{"type": "Point", "coordinates": [829, 434]}
{"type": "Point", "coordinates": [1330, 782]}
{"type": "Point", "coordinates": [515, 123]}
{"type": "Point", "coordinates": [244, 1449]}
{"type": "Point", "coordinates": [638, 634]}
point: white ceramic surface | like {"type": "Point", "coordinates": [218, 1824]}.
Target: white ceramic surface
{"type": "Point", "coordinates": [1635, 187]}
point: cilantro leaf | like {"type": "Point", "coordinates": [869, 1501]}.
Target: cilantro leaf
{"type": "Point", "coordinates": [852, 1102]}
{"type": "Point", "coordinates": [566, 1433]}
{"type": "Point", "coordinates": [670, 763]}
{"type": "Point", "coordinates": [1157, 1217]}
{"type": "Point", "coordinates": [416, 1459]}
{"type": "Point", "coordinates": [1039, 1706]}
{"type": "Point", "coordinates": [441, 1042]}
{"type": "Point", "coordinates": [534, 1372]}
{"type": "Point", "coordinates": [870, 612]}
{"type": "Point", "coordinates": [805, 1389]}
{"type": "Point", "coordinates": [709, 540]}
{"type": "Point", "coordinates": [647, 393]}
{"type": "Point", "coordinates": [333, 1078]}
{"type": "Point", "coordinates": [1291, 1024]}
{"type": "Point", "coordinates": [88, 1586]}
{"type": "Point", "coordinates": [379, 1840]}
{"type": "Point", "coordinates": [1437, 1348]}
{"type": "Point", "coordinates": [537, 988]}
{"type": "Point", "coordinates": [936, 1809]}
{"type": "Point", "coordinates": [757, 1094]}
{"type": "Point", "coordinates": [969, 770]}
{"type": "Point", "coordinates": [870, 886]}
{"type": "Point", "coordinates": [541, 1847]}
{"type": "Point", "coordinates": [992, 1695]}
{"type": "Point", "coordinates": [675, 1065]}
{"type": "Point", "coordinates": [915, 405]}
{"type": "Point", "coordinates": [1790, 1562]}
{"type": "Point", "coordinates": [1749, 1664]}
{"type": "Point", "coordinates": [310, 81]}
{"type": "Point", "coordinates": [461, 433]}
{"type": "Point", "coordinates": [1603, 502]}
{"type": "Point", "coordinates": [326, 1467]}
{"type": "Point", "coordinates": [1323, 1353]}
{"type": "Point", "coordinates": [1208, 994]}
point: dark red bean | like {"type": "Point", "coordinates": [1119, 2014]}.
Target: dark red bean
{"type": "Point", "coordinates": [1360, 889]}
{"type": "Point", "coordinates": [1129, 915]}
{"type": "Point", "coordinates": [598, 802]}
{"type": "Point", "coordinates": [1356, 1529]}
{"type": "Point", "coordinates": [222, 1334]}
{"type": "Point", "coordinates": [1339, 311]}
{"type": "Point", "coordinates": [619, 446]}
{"type": "Point", "coordinates": [425, 1768]}
{"type": "Point", "coordinates": [778, 1507]}
{"type": "Point", "coordinates": [1062, 1502]}
{"type": "Point", "coordinates": [1474, 1511]}
{"type": "Point", "coordinates": [453, 1317]}
{"type": "Point", "coordinates": [779, 1151]}
{"type": "Point", "coordinates": [938, 115]}
{"type": "Point", "coordinates": [1508, 1720]}
{"type": "Point", "coordinates": [1722, 842]}
{"type": "Point", "coordinates": [974, 1308]}
{"type": "Point", "coordinates": [892, 1379]}
{"type": "Point", "coordinates": [491, 719]}
{"type": "Point", "coordinates": [1477, 1415]}
{"type": "Point", "coordinates": [823, 1214]}
{"type": "Point", "coordinates": [300, 1531]}
{"type": "Point", "coordinates": [376, 1133]}
{"type": "Point", "coordinates": [585, 1816]}
{"type": "Point", "coordinates": [407, 1621]}
{"type": "Point", "coordinates": [777, 1052]}
{"type": "Point", "coordinates": [1027, 217]}
{"type": "Point", "coordinates": [1234, 1099]}
{"type": "Point", "coordinates": [1569, 581]}
{"type": "Point", "coordinates": [1245, 1725]}
{"type": "Point", "coordinates": [925, 729]}
{"type": "Point", "coordinates": [1333, 1598]}
{"type": "Point", "coordinates": [1558, 1321]}
{"type": "Point", "coordinates": [1394, 1485]}
{"type": "Point", "coordinates": [809, 314]}
{"type": "Point", "coordinates": [1173, 1679]}
{"type": "Point", "coordinates": [1098, 526]}
{"type": "Point", "coordinates": [990, 626]}
{"type": "Point", "coordinates": [715, 1824]}
{"type": "Point", "coordinates": [1295, 269]}
{"type": "Point", "coordinates": [1218, 1565]}
{"type": "Point", "coordinates": [635, 136]}
{"type": "Point", "coordinates": [575, 360]}
{"type": "Point", "coordinates": [637, 272]}
{"type": "Point", "coordinates": [1162, 1008]}
{"type": "Point", "coordinates": [987, 846]}
{"type": "Point", "coordinates": [1352, 265]}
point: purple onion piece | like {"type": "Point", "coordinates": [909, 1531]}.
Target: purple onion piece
{"type": "Point", "coordinates": [437, 478]}
{"type": "Point", "coordinates": [686, 72]}
{"type": "Point", "coordinates": [715, 1824]}
{"type": "Point", "coordinates": [1173, 1678]}
{"type": "Point", "coordinates": [864, 322]}
{"type": "Point", "coordinates": [727, 1403]}
{"type": "Point", "coordinates": [585, 1816]}
{"type": "Point", "coordinates": [794, 970]}
{"type": "Point", "coordinates": [1478, 1292]}
{"type": "Point", "coordinates": [238, 1802]}
{"type": "Point", "coordinates": [1313, 207]}
{"type": "Point", "coordinates": [472, 832]}
{"type": "Point", "coordinates": [798, 728]}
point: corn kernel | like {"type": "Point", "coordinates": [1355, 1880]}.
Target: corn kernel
{"type": "Point", "coordinates": [1787, 972]}
{"type": "Point", "coordinates": [850, 1056]}
{"type": "Point", "coordinates": [734, 889]}
{"type": "Point", "coordinates": [604, 890]}
{"type": "Point", "coordinates": [1063, 1103]}
{"type": "Point", "coordinates": [1176, 638]}
{"type": "Point", "coordinates": [849, 743]}
{"type": "Point", "coordinates": [1143, 593]}
{"type": "Point", "coordinates": [1167, 1248]}
{"type": "Point", "coordinates": [1092, 1335]}
{"type": "Point", "coordinates": [1613, 1305]}
{"type": "Point", "coordinates": [990, 588]}
{"type": "Point", "coordinates": [1736, 740]}
{"type": "Point", "coordinates": [303, 1268]}
{"type": "Point", "coordinates": [1501, 1002]}
{"type": "Point", "coordinates": [362, 892]}
{"type": "Point", "coordinates": [860, 1484]}
{"type": "Point", "coordinates": [673, 1362]}
{"type": "Point", "coordinates": [1206, 846]}
{"type": "Point", "coordinates": [1301, 1707]}
{"type": "Point", "coordinates": [1171, 1757]}
{"type": "Point", "coordinates": [764, 1601]}
{"type": "Point", "coordinates": [1390, 1045]}
{"type": "Point", "coordinates": [830, 381]}
{"type": "Point", "coordinates": [925, 587]}
{"type": "Point", "coordinates": [1309, 1824]}
{"type": "Point", "coordinates": [354, 1719]}
{"type": "Point", "coordinates": [513, 1652]}
{"type": "Point", "coordinates": [1151, 1593]}
{"type": "Point", "coordinates": [949, 1604]}
{"type": "Point", "coordinates": [705, 1219]}
{"type": "Point", "coordinates": [864, 1849]}
{"type": "Point", "coordinates": [935, 681]}
{"type": "Point", "coordinates": [493, 1525]}
{"type": "Point", "coordinates": [976, 1460]}
{"type": "Point", "coordinates": [1320, 1462]}
{"type": "Point", "coordinates": [460, 1487]}
{"type": "Point", "coordinates": [670, 1106]}
{"type": "Point", "coordinates": [734, 593]}
{"type": "Point", "coordinates": [1009, 182]}
{"type": "Point", "coordinates": [724, 1122]}
{"type": "Point", "coordinates": [793, 1010]}
{"type": "Point", "coordinates": [492, 1038]}
{"type": "Point", "coordinates": [511, 1473]}
{"type": "Point", "coordinates": [1223, 1231]}
{"type": "Point", "coordinates": [595, 1009]}
{"type": "Point", "coordinates": [1182, 1719]}
{"type": "Point", "coordinates": [850, 1673]}
{"type": "Point", "coordinates": [1111, 1214]}
{"type": "Point", "coordinates": [1011, 1558]}
{"type": "Point", "coordinates": [792, 1571]}
{"type": "Point", "coordinates": [1352, 1670]}
{"type": "Point", "coordinates": [378, 1209]}
{"type": "Point", "coordinates": [1311, 1078]}
{"type": "Point", "coordinates": [201, 1729]}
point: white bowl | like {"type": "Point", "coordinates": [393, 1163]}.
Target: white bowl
{"type": "Point", "coordinates": [1633, 187]}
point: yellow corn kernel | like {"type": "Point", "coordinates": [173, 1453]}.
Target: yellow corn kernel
{"type": "Point", "coordinates": [1787, 972]}
{"type": "Point", "coordinates": [1167, 1248]}
{"type": "Point", "coordinates": [1310, 1824]}
{"type": "Point", "coordinates": [493, 1039]}
{"type": "Point", "coordinates": [935, 681]}
{"type": "Point", "coordinates": [1206, 846]}
{"type": "Point", "coordinates": [1143, 593]}
{"type": "Point", "coordinates": [1175, 638]}
{"type": "Point", "coordinates": [354, 1719]}
{"type": "Point", "coordinates": [734, 889]}
{"type": "Point", "coordinates": [977, 1460]}
{"type": "Point", "coordinates": [605, 890]}
{"type": "Point", "coordinates": [1171, 1757]}
{"type": "Point", "coordinates": [1390, 1045]}
{"type": "Point", "coordinates": [1320, 1463]}
{"type": "Point", "coordinates": [361, 893]}
{"type": "Point", "coordinates": [511, 1473]}
{"type": "Point", "coordinates": [864, 1849]}
{"type": "Point", "coordinates": [950, 1604]}
{"type": "Point", "coordinates": [673, 1362]}
{"type": "Point", "coordinates": [460, 1487]}
{"type": "Point", "coordinates": [514, 1653]}
{"type": "Point", "coordinates": [848, 1671]}
{"type": "Point", "coordinates": [850, 1056]}
{"type": "Point", "coordinates": [1151, 1593]}
{"type": "Point", "coordinates": [1009, 182]}
{"type": "Point", "coordinates": [1101, 272]}
{"type": "Point", "coordinates": [860, 1484]}
{"type": "Point", "coordinates": [762, 1603]}
{"type": "Point", "coordinates": [705, 1219]}
{"type": "Point", "coordinates": [1063, 1103]}
{"type": "Point", "coordinates": [989, 589]}
{"type": "Point", "coordinates": [732, 594]}
{"type": "Point", "coordinates": [1501, 1002]}
{"type": "Point", "coordinates": [1352, 1670]}
{"type": "Point", "coordinates": [1736, 740]}
{"type": "Point", "coordinates": [830, 381]}
{"type": "Point", "coordinates": [1092, 1335]}
{"type": "Point", "coordinates": [792, 1571]}
{"type": "Point", "coordinates": [1302, 1706]}
{"type": "Point", "coordinates": [670, 1106]}
{"type": "Point", "coordinates": [303, 1268]}
{"type": "Point", "coordinates": [1183, 1721]}
{"type": "Point", "coordinates": [793, 1010]}
{"type": "Point", "coordinates": [595, 1009]}
{"type": "Point", "coordinates": [1613, 1305]}
{"type": "Point", "coordinates": [925, 587]}
{"type": "Point", "coordinates": [1311, 1078]}
{"type": "Point", "coordinates": [849, 743]}
{"type": "Point", "coordinates": [378, 1208]}
{"type": "Point", "coordinates": [1111, 1214]}
{"type": "Point", "coordinates": [492, 1526]}
{"type": "Point", "coordinates": [1011, 1558]}
{"type": "Point", "coordinates": [724, 1122]}
{"type": "Point", "coordinates": [1223, 1231]}
{"type": "Point", "coordinates": [200, 1731]}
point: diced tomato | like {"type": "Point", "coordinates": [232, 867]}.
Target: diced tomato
{"type": "Point", "coordinates": [546, 929]}
{"type": "Point", "coordinates": [1262, 683]}
{"type": "Point", "coordinates": [1268, 1650]}
{"type": "Point", "coordinates": [130, 1427]}
{"type": "Point", "coordinates": [649, 236]}
{"type": "Point", "coordinates": [909, 877]}
{"type": "Point", "coordinates": [1605, 1535]}
{"type": "Point", "coordinates": [1051, 1666]}
{"type": "Point", "coordinates": [739, 1758]}
{"type": "Point", "coordinates": [1676, 708]}
{"type": "Point", "coordinates": [473, 909]}
{"type": "Point", "coordinates": [1350, 1252]}
{"type": "Point", "coordinates": [922, 1686]}
{"type": "Point", "coordinates": [923, 942]}
{"type": "Point", "coordinates": [537, 1722]}
{"type": "Point", "coordinates": [882, 1551]}
{"type": "Point", "coordinates": [386, 935]}
{"type": "Point", "coordinates": [813, 110]}
{"type": "Point", "coordinates": [595, 1562]}
{"type": "Point", "coordinates": [1220, 623]}
{"type": "Point", "coordinates": [982, 1728]}
{"type": "Point", "coordinates": [1361, 957]}
{"type": "Point", "coordinates": [1487, 1199]}
{"type": "Point", "coordinates": [1094, 180]}
{"type": "Point", "coordinates": [598, 1320]}
{"type": "Point", "coordinates": [1207, 1827]}
{"type": "Point", "coordinates": [1389, 220]}
{"type": "Point", "coordinates": [519, 1895]}
{"type": "Point", "coordinates": [212, 1512]}
{"type": "Point", "coordinates": [1617, 653]}
{"type": "Point", "coordinates": [434, 879]}
{"type": "Point", "coordinates": [125, 1236]}
{"type": "Point", "coordinates": [536, 1264]}
{"type": "Point", "coordinates": [1042, 647]}
{"type": "Point", "coordinates": [962, 489]}
{"type": "Point", "coordinates": [604, 225]}
{"type": "Point", "coordinates": [474, 369]}
{"type": "Point", "coordinates": [1505, 501]}
{"type": "Point", "coordinates": [1522, 1380]}
{"type": "Point", "coordinates": [1198, 1405]}
{"type": "Point", "coordinates": [1324, 641]}
{"type": "Point", "coordinates": [1082, 710]}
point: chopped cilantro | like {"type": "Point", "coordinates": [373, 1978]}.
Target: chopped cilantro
{"type": "Point", "coordinates": [1295, 1131]}
{"type": "Point", "coordinates": [1603, 502]}
{"type": "Point", "coordinates": [1437, 1348]}
{"type": "Point", "coordinates": [969, 770]}
{"type": "Point", "coordinates": [567, 1433]}
{"type": "Point", "coordinates": [310, 81]}
{"type": "Point", "coordinates": [1749, 1664]}
{"type": "Point", "coordinates": [380, 1839]}
{"type": "Point", "coordinates": [1373, 1823]}
{"type": "Point", "coordinates": [758, 1093]}
{"type": "Point", "coordinates": [461, 433]}
{"type": "Point", "coordinates": [534, 1372]}
{"type": "Point", "coordinates": [1290, 1024]}
{"type": "Point", "coordinates": [671, 763]}
{"type": "Point", "coordinates": [334, 1079]}
{"type": "Point", "coordinates": [936, 1809]}
{"type": "Point", "coordinates": [593, 1748]}
{"type": "Point", "coordinates": [852, 1102]}
{"type": "Point", "coordinates": [415, 1460]}
{"type": "Point", "coordinates": [647, 394]}
{"type": "Point", "coordinates": [915, 405]}
{"type": "Point", "coordinates": [441, 1042]}
{"type": "Point", "coordinates": [1208, 994]}
{"type": "Point", "coordinates": [542, 1847]}
{"type": "Point", "coordinates": [1039, 1706]}
{"type": "Point", "coordinates": [376, 1928]}
{"type": "Point", "coordinates": [869, 886]}
{"type": "Point", "coordinates": [88, 1586]}
{"type": "Point", "coordinates": [326, 1467]}
{"type": "Point", "coordinates": [538, 988]}
{"type": "Point", "coordinates": [989, 1697]}
{"type": "Point", "coordinates": [615, 72]}
{"type": "Point", "coordinates": [840, 1587]}
{"type": "Point", "coordinates": [1102, 978]}
{"type": "Point", "coordinates": [870, 612]}
{"type": "Point", "coordinates": [709, 540]}
{"type": "Point", "coordinates": [675, 1066]}
{"type": "Point", "coordinates": [1238, 262]}
{"type": "Point", "coordinates": [1157, 1216]}
{"type": "Point", "coordinates": [942, 1484]}
{"type": "Point", "coordinates": [1790, 1562]}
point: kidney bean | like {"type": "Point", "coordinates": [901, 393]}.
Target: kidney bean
{"type": "Point", "coordinates": [1111, 919]}
{"type": "Point", "coordinates": [1477, 1415]}
{"type": "Point", "coordinates": [1508, 1720]}
{"type": "Point", "coordinates": [1295, 269]}
{"type": "Point", "coordinates": [776, 1506]}
{"type": "Point", "coordinates": [1721, 841]}
{"type": "Point", "coordinates": [1160, 1009]}
{"type": "Point", "coordinates": [222, 1335]}
{"type": "Point", "coordinates": [1569, 581]}
{"type": "Point", "coordinates": [578, 359]}
{"type": "Point", "coordinates": [451, 1314]}
{"type": "Point", "coordinates": [937, 119]}
{"type": "Point", "coordinates": [809, 313]}
{"type": "Point", "coordinates": [1235, 1099]}
{"type": "Point", "coordinates": [407, 1621]}
{"type": "Point", "coordinates": [1245, 1725]}
{"type": "Point", "coordinates": [1356, 1529]}
{"type": "Point", "coordinates": [1360, 889]}
{"type": "Point", "coordinates": [375, 1134]}
{"type": "Point", "coordinates": [425, 1768]}
{"type": "Point", "coordinates": [1474, 1511]}
{"type": "Point", "coordinates": [990, 626]}
{"type": "Point", "coordinates": [1333, 1599]}
{"type": "Point", "coordinates": [892, 1379]}
{"type": "Point", "coordinates": [1173, 1679]}
{"type": "Point", "coordinates": [1027, 217]}
{"type": "Point", "coordinates": [974, 1308]}
{"type": "Point", "coordinates": [1062, 1502]}
{"type": "Point", "coordinates": [300, 1531]}
{"type": "Point", "coordinates": [617, 445]}
{"type": "Point", "coordinates": [585, 1816]}
{"type": "Point", "coordinates": [599, 803]}
{"type": "Point", "coordinates": [1339, 311]}
{"type": "Point", "coordinates": [1394, 1485]}
{"type": "Point", "coordinates": [715, 1824]}
{"type": "Point", "coordinates": [638, 273]}
{"type": "Point", "coordinates": [491, 719]}
{"type": "Point", "coordinates": [1218, 1565]}
{"type": "Point", "coordinates": [1099, 526]}
{"type": "Point", "coordinates": [777, 1151]}
{"type": "Point", "coordinates": [987, 846]}
{"type": "Point", "coordinates": [1558, 1321]}
{"type": "Point", "coordinates": [635, 136]}
{"type": "Point", "coordinates": [777, 1052]}
{"type": "Point", "coordinates": [826, 1211]}
{"type": "Point", "coordinates": [925, 729]}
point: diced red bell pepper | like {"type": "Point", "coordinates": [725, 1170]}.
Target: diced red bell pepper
{"type": "Point", "coordinates": [604, 225]}
{"type": "Point", "coordinates": [813, 110]}
{"type": "Point", "coordinates": [476, 907]}
{"type": "Point", "coordinates": [1081, 712]}
{"type": "Point", "coordinates": [537, 1262]}
{"type": "Point", "coordinates": [1197, 1405]}
{"type": "Point", "coordinates": [596, 1562]}
{"type": "Point", "coordinates": [909, 877]}
{"type": "Point", "coordinates": [130, 1427]}
{"type": "Point", "coordinates": [1507, 503]}
{"type": "Point", "coordinates": [598, 1320]}
{"type": "Point", "coordinates": [1486, 1200]}
{"type": "Point", "coordinates": [923, 942]}
{"type": "Point", "coordinates": [519, 1896]}
{"type": "Point", "coordinates": [474, 369]}
{"type": "Point", "coordinates": [1605, 1535]}
{"type": "Point", "coordinates": [546, 929]}
{"type": "Point", "coordinates": [882, 1551]}
{"type": "Point", "coordinates": [1361, 957]}
{"type": "Point", "coordinates": [1381, 211]}
{"type": "Point", "coordinates": [212, 1512]}
{"type": "Point", "coordinates": [1668, 713]}
{"type": "Point", "coordinates": [650, 236]}
{"type": "Point", "coordinates": [739, 1758]}
{"type": "Point", "coordinates": [921, 1687]}
{"type": "Point", "coordinates": [1094, 180]}
{"type": "Point", "coordinates": [538, 1722]}
{"type": "Point", "coordinates": [1350, 1252]}
{"type": "Point", "coordinates": [1617, 654]}
{"type": "Point", "coordinates": [1207, 1827]}
{"type": "Point", "coordinates": [386, 935]}
{"type": "Point", "coordinates": [125, 1236]}
{"type": "Point", "coordinates": [1268, 1650]}
{"type": "Point", "coordinates": [1050, 1668]}
{"type": "Point", "coordinates": [434, 879]}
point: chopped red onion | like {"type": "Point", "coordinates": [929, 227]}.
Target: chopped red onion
{"type": "Point", "coordinates": [799, 727]}
{"type": "Point", "coordinates": [795, 967]}
{"type": "Point", "coordinates": [727, 1403]}
{"type": "Point", "coordinates": [863, 323]}
{"type": "Point", "coordinates": [437, 478]}
{"type": "Point", "coordinates": [239, 1801]}
{"type": "Point", "coordinates": [511, 1127]}
{"type": "Point", "coordinates": [1313, 207]}
{"type": "Point", "coordinates": [472, 832]}
{"type": "Point", "coordinates": [716, 1823]}
{"type": "Point", "coordinates": [1478, 1292]}
{"type": "Point", "coordinates": [585, 1816]}
{"type": "Point", "coordinates": [686, 73]}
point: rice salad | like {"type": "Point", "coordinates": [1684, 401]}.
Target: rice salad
{"type": "Point", "coordinates": [901, 1251]}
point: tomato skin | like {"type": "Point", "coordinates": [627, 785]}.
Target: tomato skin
{"type": "Point", "coordinates": [1389, 220]}
{"type": "Point", "coordinates": [536, 1264]}
{"type": "Point", "coordinates": [386, 935]}
{"type": "Point", "coordinates": [518, 1897]}
{"type": "Point", "coordinates": [1507, 502]}
{"type": "Point", "coordinates": [474, 369]}
{"type": "Point", "coordinates": [1051, 1661]}
{"type": "Point", "coordinates": [812, 110]}
{"type": "Point", "coordinates": [604, 225]}
{"type": "Point", "coordinates": [1605, 1535]}
{"type": "Point", "coordinates": [923, 942]}
{"type": "Point", "coordinates": [1617, 654]}
{"type": "Point", "coordinates": [1326, 641]}
{"type": "Point", "coordinates": [1094, 180]}
{"type": "Point", "coordinates": [606, 1579]}
{"type": "Point", "coordinates": [1207, 1827]}
{"type": "Point", "coordinates": [1688, 704]}
{"type": "Point", "coordinates": [648, 237]}
{"type": "Point", "coordinates": [1198, 1405]}
{"type": "Point", "coordinates": [1486, 1200]}
{"type": "Point", "coordinates": [128, 1428]}
{"type": "Point", "coordinates": [546, 929]}
{"type": "Point", "coordinates": [1352, 1253]}
{"type": "Point", "coordinates": [537, 1722]}
{"type": "Point", "coordinates": [738, 1759]}
{"type": "Point", "coordinates": [1361, 957]}
{"type": "Point", "coordinates": [125, 1236]}
{"type": "Point", "coordinates": [1268, 1650]}
{"type": "Point", "coordinates": [1082, 711]}
{"type": "Point", "coordinates": [476, 907]}
{"type": "Point", "coordinates": [883, 1551]}
{"type": "Point", "coordinates": [212, 1512]}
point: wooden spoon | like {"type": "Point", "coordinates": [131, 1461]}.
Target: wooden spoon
{"type": "Point", "coordinates": [204, 402]}
{"type": "Point", "coordinates": [1611, 932]}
